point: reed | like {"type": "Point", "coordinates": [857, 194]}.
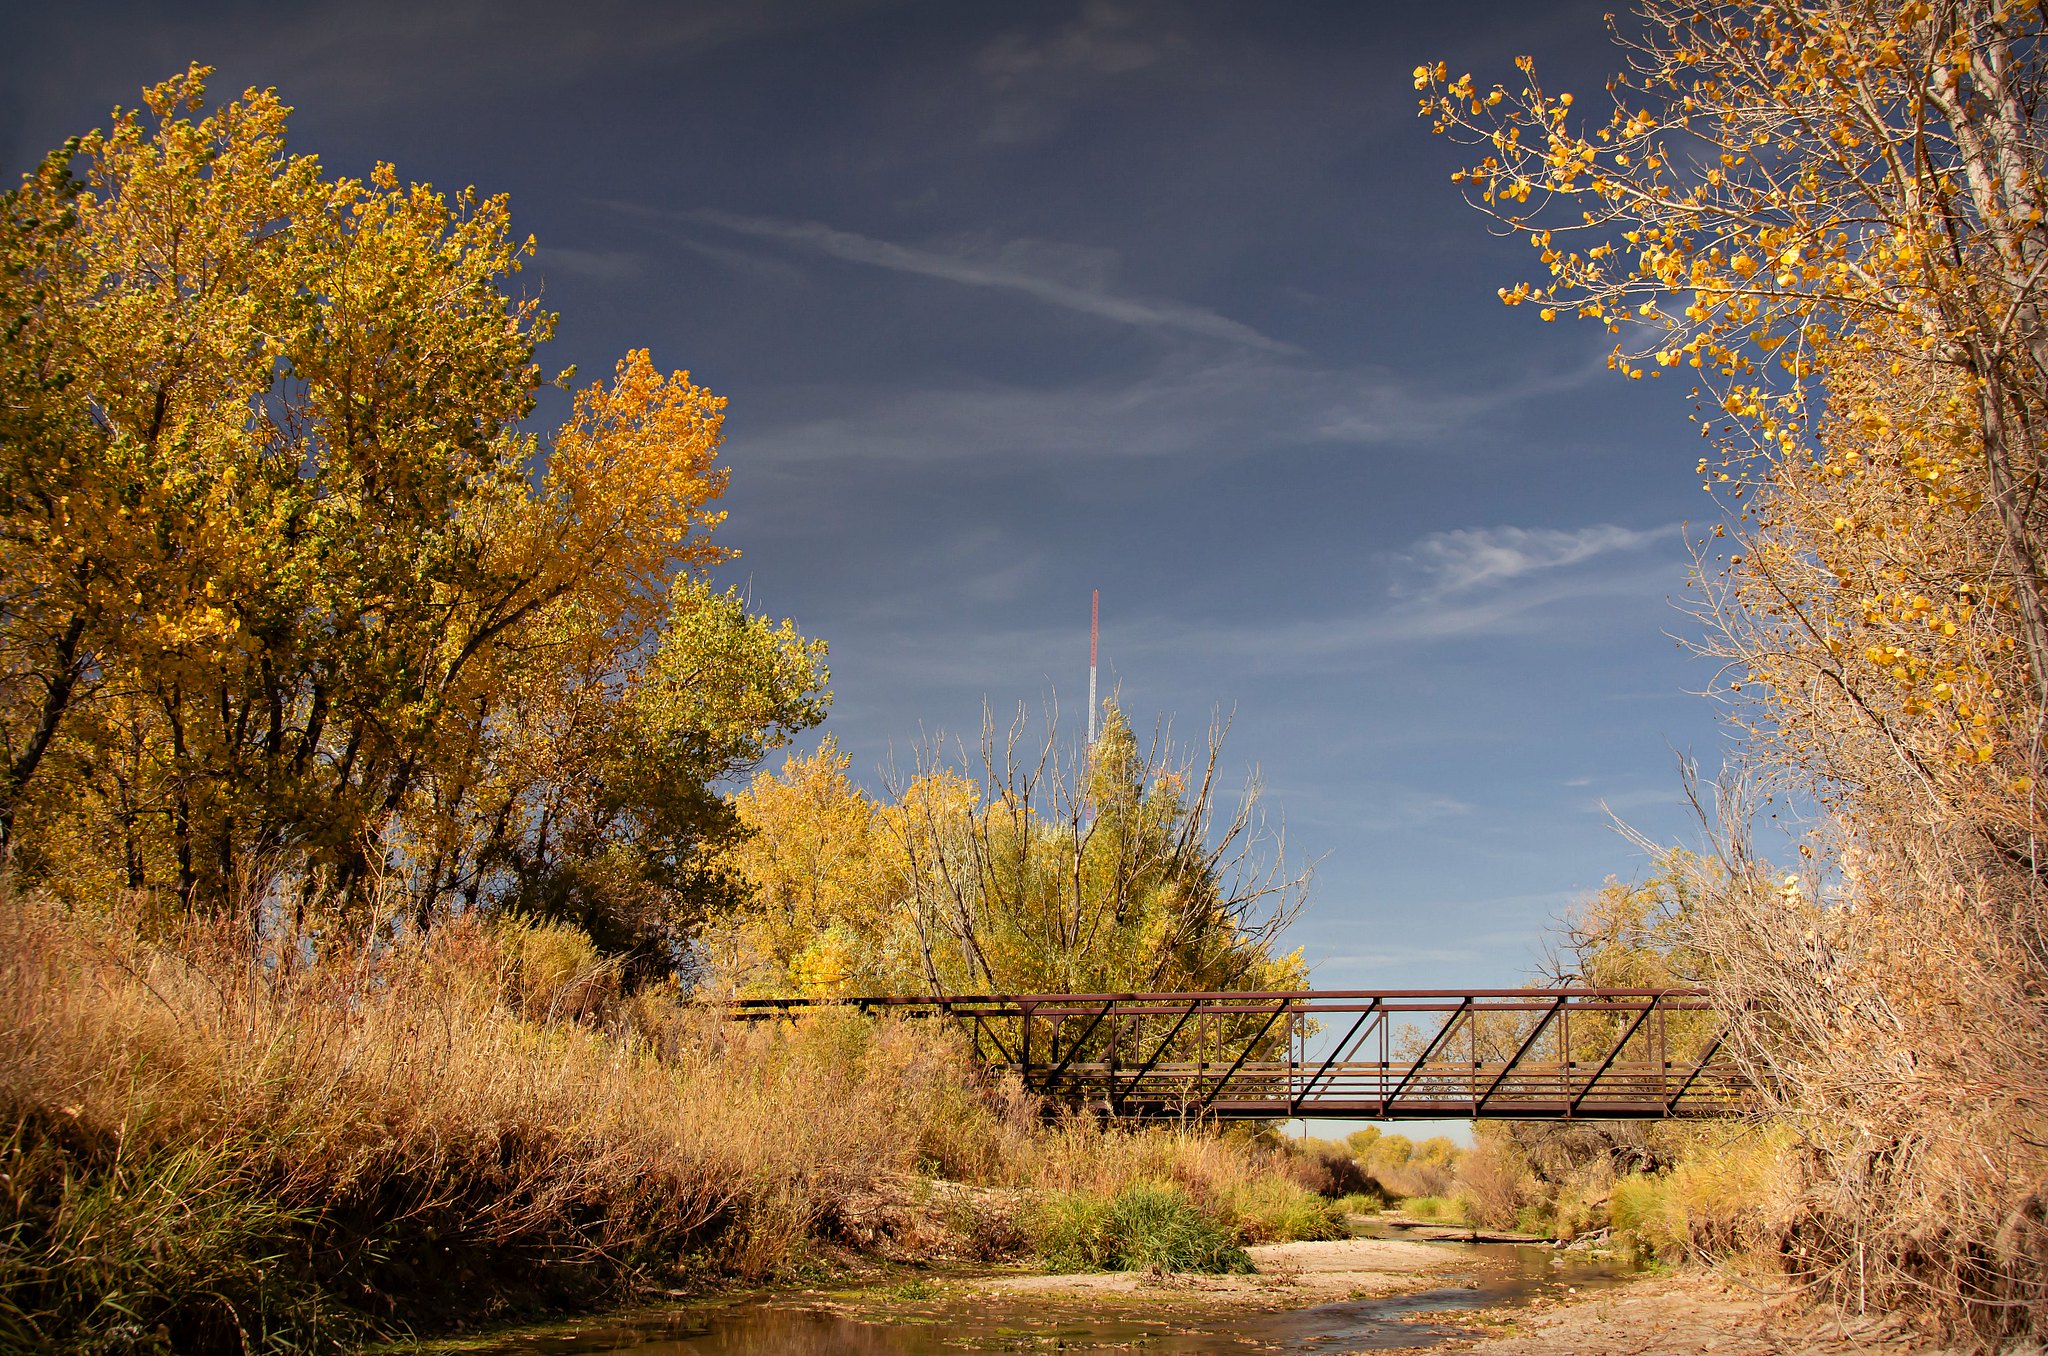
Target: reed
{"type": "Point", "coordinates": [241, 1152]}
{"type": "Point", "coordinates": [214, 1143]}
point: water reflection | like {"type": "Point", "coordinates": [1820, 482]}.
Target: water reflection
{"type": "Point", "coordinates": [814, 1326]}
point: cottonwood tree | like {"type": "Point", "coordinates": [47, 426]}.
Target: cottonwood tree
{"type": "Point", "coordinates": [1107, 874]}
{"type": "Point", "coordinates": [1018, 873]}
{"type": "Point", "coordinates": [824, 885]}
{"type": "Point", "coordinates": [1830, 215]}
{"type": "Point", "coordinates": [1791, 199]}
{"type": "Point", "coordinates": [287, 581]}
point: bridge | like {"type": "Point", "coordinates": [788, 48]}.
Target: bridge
{"type": "Point", "coordinates": [1565, 1053]}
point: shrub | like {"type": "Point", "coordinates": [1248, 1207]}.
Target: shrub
{"type": "Point", "coordinates": [1144, 1226]}
{"type": "Point", "coordinates": [1574, 1212]}
{"type": "Point", "coordinates": [1161, 1228]}
{"type": "Point", "coordinates": [1494, 1183]}
{"type": "Point", "coordinates": [1433, 1208]}
{"type": "Point", "coordinates": [1276, 1210]}
{"type": "Point", "coordinates": [1723, 1195]}
{"type": "Point", "coordinates": [1069, 1231]}
{"type": "Point", "coordinates": [1325, 1167]}
{"type": "Point", "coordinates": [555, 970]}
{"type": "Point", "coordinates": [1636, 1212]}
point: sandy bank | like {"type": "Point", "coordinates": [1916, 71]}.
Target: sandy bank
{"type": "Point", "coordinates": [1666, 1316]}
{"type": "Point", "coordinates": [1296, 1273]}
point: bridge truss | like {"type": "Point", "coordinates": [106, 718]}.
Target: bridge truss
{"type": "Point", "coordinates": [1406, 1054]}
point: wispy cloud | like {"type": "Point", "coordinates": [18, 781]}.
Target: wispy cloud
{"type": "Point", "coordinates": [745, 262]}
{"type": "Point", "coordinates": [1010, 266]}
{"type": "Point", "coordinates": [1633, 800]}
{"type": "Point", "coordinates": [601, 266]}
{"type": "Point", "coordinates": [1363, 420]}
{"type": "Point", "coordinates": [1192, 403]}
{"type": "Point", "coordinates": [1036, 80]}
{"type": "Point", "coordinates": [1246, 648]}
{"type": "Point", "coordinates": [1371, 636]}
{"type": "Point", "coordinates": [1470, 559]}
{"type": "Point", "coordinates": [1424, 807]}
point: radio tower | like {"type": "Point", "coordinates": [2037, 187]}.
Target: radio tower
{"type": "Point", "coordinates": [1094, 630]}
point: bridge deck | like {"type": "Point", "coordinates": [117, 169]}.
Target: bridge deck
{"type": "Point", "coordinates": [1400, 1054]}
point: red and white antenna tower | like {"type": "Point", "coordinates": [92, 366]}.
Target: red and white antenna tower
{"type": "Point", "coordinates": [1094, 631]}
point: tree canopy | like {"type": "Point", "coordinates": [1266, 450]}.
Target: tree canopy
{"type": "Point", "coordinates": [1831, 214]}
{"type": "Point", "coordinates": [1021, 875]}
{"type": "Point", "coordinates": [290, 590]}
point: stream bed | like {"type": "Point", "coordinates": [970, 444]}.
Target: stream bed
{"type": "Point", "coordinates": [917, 1319]}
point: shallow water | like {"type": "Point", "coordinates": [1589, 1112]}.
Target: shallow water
{"type": "Point", "coordinates": [905, 1325]}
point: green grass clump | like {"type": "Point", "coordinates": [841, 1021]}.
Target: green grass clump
{"type": "Point", "coordinates": [1070, 1232]}
{"type": "Point", "coordinates": [1276, 1210]}
{"type": "Point", "coordinates": [1359, 1203]}
{"type": "Point", "coordinates": [102, 1250]}
{"type": "Point", "coordinates": [1639, 1213]}
{"type": "Point", "coordinates": [1442, 1208]}
{"type": "Point", "coordinates": [1144, 1226]}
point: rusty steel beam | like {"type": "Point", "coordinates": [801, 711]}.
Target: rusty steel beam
{"type": "Point", "coordinates": [1267, 1072]}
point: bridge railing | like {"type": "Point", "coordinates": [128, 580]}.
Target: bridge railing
{"type": "Point", "coordinates": [1529, 1053]}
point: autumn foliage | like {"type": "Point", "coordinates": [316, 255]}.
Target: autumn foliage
{"type": "Point", "coordinates": [1830, 216]}
{"type": "Point", "coordinates": [1019, 875]}
{"type": "Point", "coordinates": [294, 607]}
{"type": "Point", "coordinates": [367, 830]}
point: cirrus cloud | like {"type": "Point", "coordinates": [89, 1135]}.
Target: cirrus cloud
{"type": "Point", "coordinates": [1471, 558]}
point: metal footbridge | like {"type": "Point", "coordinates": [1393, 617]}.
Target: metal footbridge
{"type": "Point", "coordinates": [1567, 1053]}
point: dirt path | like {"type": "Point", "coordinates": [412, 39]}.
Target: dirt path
{"type": "Point", "coordinates": [1666, 1316]}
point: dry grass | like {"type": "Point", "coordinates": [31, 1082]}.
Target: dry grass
{"type": "Point", "coordinates": [220, 1145]}
{"type": "Point", "coordinates": [1899, 1035]}
{"type": "Point", "coordinates": [433, 1116]}
{"type": "Point", "coordinates": [1495, 1184]}
{"type": "Point", "coordinates": [1728, 1196]}
{"type": "Point", "coordinates": [1251, 1186]}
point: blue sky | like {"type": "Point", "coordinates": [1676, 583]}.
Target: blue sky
{"type": "Point", "coordinates": [1014, 302]}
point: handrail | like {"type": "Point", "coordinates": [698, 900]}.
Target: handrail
{"type": "Point", "coordinates": [1235, 1054]}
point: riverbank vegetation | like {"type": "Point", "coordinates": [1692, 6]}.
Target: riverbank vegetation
{"type": "Point", "coordinates": [1664, 1191]}
{"type": "Point", "coordinates": [214, 1149]}
{"type": "Point", "coordinates": [367, 844]}
{"type": "Point", "coordinates": [1831, 216]}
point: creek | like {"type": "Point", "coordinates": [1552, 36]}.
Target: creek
{"type": "Point", "coordinates": [918, 1319]}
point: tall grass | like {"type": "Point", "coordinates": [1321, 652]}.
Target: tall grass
{"type": "Point", "coordinates": [241, 1151]}
{"type": "Point", "coordinates": [1249, 1185]}
{"type": "Point", "coordinates": [129, 1251]}
{"type": "Point", "coordinates": [1144, 1226]}
{"type": "Point", "coordinates": [210, 1144]}
{"type": "Point", "coordinates": [1730, 1192]}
